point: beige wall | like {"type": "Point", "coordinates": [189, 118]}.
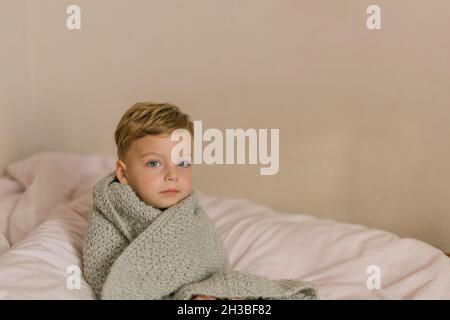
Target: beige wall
{"type": "Point", "coordinates": [363, 115]}
{"type": "Point", "coordinates": [14, 87]}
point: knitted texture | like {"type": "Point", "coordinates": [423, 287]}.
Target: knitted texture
{"type": "Point", "coordinates": [135, 251]}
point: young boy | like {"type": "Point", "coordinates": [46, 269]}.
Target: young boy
{"type": "Point", "coordinates": [148, 238]}
{"type": "Point", "coordinates": [144, 149]}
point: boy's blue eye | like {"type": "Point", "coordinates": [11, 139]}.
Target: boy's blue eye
{"type": "Point", "coordinates": [184, 164]}
{"type": "Point", "coordinates": [153, 163]}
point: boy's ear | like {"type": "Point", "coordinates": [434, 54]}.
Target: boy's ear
{"type": "Point", "coordinates": [121, 171]}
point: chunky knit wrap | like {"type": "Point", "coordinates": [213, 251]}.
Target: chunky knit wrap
{"type": "Point", "coordinates": [135, 251]}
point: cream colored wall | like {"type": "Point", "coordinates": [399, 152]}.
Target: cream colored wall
{"type": "Point", "coordinates": [363, 115]}
{"type": "Point", "coordinates": [14, 87]}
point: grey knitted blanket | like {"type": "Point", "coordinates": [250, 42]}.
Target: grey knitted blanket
{"type": "Point", "coordinates": [135, 251]}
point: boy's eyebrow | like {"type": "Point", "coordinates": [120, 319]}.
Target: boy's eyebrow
{"type": "Point", "coordinates": [155, 153]}
{"type": "Point", "coordinates": [158, 154]}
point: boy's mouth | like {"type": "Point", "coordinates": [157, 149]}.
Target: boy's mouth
{"type": "Point", "coordinates": [170, 191]}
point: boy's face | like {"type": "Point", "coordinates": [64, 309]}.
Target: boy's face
{"type": "Point", "coordinates": [148, 168]}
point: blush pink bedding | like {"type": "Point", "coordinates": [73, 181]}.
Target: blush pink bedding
{"type": "Point", "coordinates": [44, 206]}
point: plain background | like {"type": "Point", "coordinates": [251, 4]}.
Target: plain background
{"type": "Point", "coordinates": [364, 115]}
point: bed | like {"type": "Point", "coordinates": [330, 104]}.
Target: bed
{"type": "Point", "coordinates": [44, 207]}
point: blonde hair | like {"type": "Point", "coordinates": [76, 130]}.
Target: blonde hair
{"type": "Point", "coordinates": [146, 118]}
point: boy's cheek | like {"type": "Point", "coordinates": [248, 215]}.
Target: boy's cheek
{"type": "Point", "coordinates": [188, 183]}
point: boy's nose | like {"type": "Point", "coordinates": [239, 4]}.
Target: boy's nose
{"type": "Point", "coordinates": [172, 173]}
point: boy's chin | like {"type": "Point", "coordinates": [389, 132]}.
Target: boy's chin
{"type": "Point", "coordinates": [165, 202]}
{"type": "Point", "coordinates": [162, 205]}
